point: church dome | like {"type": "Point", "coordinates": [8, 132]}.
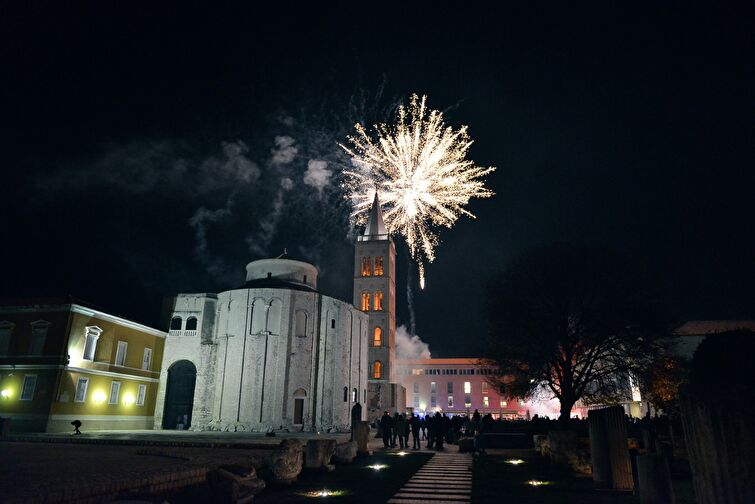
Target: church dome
{"type": "Point", "coordinates": [281, 272]}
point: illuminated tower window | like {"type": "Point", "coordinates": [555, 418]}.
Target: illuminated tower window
{"type": "Point", "coordinates": [378, 305]}
{"type": "Point", "coordinates": [365, 301]}
{"type": "Point", "coordinates": [366, 267]}
{"type": "Point", "coordinates": [377, 338]}
{"type": "Point", "coordinates": [377, 370]}
{"type": "Point", "coordinates": [379, 266]}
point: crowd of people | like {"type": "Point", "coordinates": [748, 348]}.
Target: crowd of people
{"type": "Point", "coordinates": [435, 430]}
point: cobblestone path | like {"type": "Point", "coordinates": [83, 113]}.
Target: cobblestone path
{"type": "Point", "coordinates": [445, 478]}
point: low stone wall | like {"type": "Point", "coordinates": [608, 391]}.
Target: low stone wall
{"type": "Point", "coordinates": [62, 423]}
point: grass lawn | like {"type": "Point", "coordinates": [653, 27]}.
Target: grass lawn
{"type": "Point", "coordinates": [356, 482]}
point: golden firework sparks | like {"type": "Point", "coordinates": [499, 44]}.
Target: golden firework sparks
{"type": "Point", "coordinates": [419, 168]}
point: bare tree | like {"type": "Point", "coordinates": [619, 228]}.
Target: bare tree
{"type": "Point", "coordinates": [576, 320]}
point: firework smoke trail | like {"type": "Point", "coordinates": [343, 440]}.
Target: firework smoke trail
{"type": "Point", "coordinates": [410, 299]}
{"type": "Point", "coordinates": [419, 169]}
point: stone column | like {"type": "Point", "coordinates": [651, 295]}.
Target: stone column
{"type": "Point", "coordinates": [601, 464]}
{"type": "Point", "coordinates": [610, 441]}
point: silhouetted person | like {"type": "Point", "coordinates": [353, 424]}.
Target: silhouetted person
{"type": "Point", "coordinates": [476, 416]}
{"type": "Point", "coordinates": [76, 424]}
{"type": "Point", "coordinates": [430, 424]}
{"type": "Point", "coordinates": [439, 430]}
{"type": "Point", "coordinates": [386, 425]}
{"type": "Point", "coordinates": [415, 424]}
{"type": "Point", "coordinates": [401, 428]}
{"type": "Point", "coordinates": [423, 427]}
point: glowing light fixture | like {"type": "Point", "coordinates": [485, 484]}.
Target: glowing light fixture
{"type": "Point", "coordinates": [99, 396]}
{"type": "Point", "coordinates": [402, 453]}
{"type": "Point", "coordinates": [536, 483]}
{"type": "Point", "coordinates": [323, 493]}
{"type": "Point", "coordinates": [128, 399]}
{"type": "Point", "coordinates": [5, 394]}
{"type": "Point", "coordinates": [377, 467]}
{"type": "Point", "coordinates": [515, 461]}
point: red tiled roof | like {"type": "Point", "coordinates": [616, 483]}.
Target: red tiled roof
{"type": "Point", "coordinates": [702, 327]}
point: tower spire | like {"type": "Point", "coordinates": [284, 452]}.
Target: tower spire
{"type": "Point", "coordinates": [375, 225]}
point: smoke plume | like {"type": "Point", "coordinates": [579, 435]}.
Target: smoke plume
{"type": "Point", "coordinates": [410, 346]}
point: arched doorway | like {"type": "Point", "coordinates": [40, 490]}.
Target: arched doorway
{"type": "Point", "coordinates": [179, 395]}
{"type": "Point", "coordinates": [299, 399]}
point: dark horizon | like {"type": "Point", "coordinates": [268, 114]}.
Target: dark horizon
{"type": "Point", "coordinates": [155, 152]}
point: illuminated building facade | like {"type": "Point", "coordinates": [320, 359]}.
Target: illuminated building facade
{"type": "Point", "coordinates": [62, 361]}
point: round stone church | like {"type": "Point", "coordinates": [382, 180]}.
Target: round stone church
{"type": "Point", "coordinates": [274, 354]}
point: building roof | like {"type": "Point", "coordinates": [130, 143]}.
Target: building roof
{"type": "Point", "coordinates": [375, 225]}
{"type": "Point", "coordinates": [703, 327]}
{"type": "Point", "coordinates": [438, 362]}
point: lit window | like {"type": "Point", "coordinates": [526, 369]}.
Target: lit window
{"type": "Point", "coordinates": [147, 359]}
{"type": "Point", "coordinates": [450, 401]}
{"type": "Point", "coordinates": [120, 353]}
{"type": "Point", "coordinates": [432, 387]}
{"type": "Point", "coordinates": [115, 391]}
{"type": "Point", "coordinates": [377, 337]}
{"type": "Point", "coordinates": [503, 403]}
{"type": "Point", "coordinates": [365, 301]}
{"type": "Point", "coordinates": [140, 395]}
{"type": "Point", "coordinates": [379, 266]}
{"type": "Point", "coordinates": [81, 390]}
{"type": "Point", "coordinates": [378, 301]}
{"type": "Point", "coordinates": [377, 370]}
{"type": "Point", "coordinates": [484, 387]}
{"type": "Point", "coordinates": [467, 401]}
{"type": "Point", "coordinates": [366, 266]}
{"type": "Point", "coordinates": [521, 402]}
{"type": "Point", "coordinates": [467, 387]}
{"type": "Point", "coordinates": [485, 401]}
{"type": "Point", "coordinates": [354, 395]}
{"type": "Point", "coordinates": [27, 390]}
{"type": "Point", "coordinates": [90, 344]}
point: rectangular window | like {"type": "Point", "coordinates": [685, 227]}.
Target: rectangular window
{"type": "Point", "coordinates": [366, 266]}
{"type": "Point", "coordinates": [467, 387]}
{"type": "Point", "coordinates": [450, 387]}
{"type": "Point", "coordinates": [115, 391]}
{"type": "Point", "coordinates": [432, 387]}
{"type": "Point", "coordinates": [432, 402]}
{"type": "Point", "coordinates": [416, 400]}
{"type": "Point", "coordinates": [38, 335]}
{"type": "Point", "coordinates": [379, 266]}
{"type": "Point", "coordinates": [467, 401]}
{"type": "Point", "coordinates": [485, 402]}
{"type": "Point", "coordinates": [27, 390]}
{"type": "Point", "coordinates": [450, 401]}
{"type": "Point", "coordinates": [416, 388]}
{"type": "Point", "coordinates": [378, 301]}
{"type": "Point", "coordinates": [147, 360]}
{"type": "Point", "coordinates": [90, 345]}
{"type": "Point", "coordinates": [503, 403]}
{"type": "Point", "coordinates": [484, 387]}
{"type": "Point", "coordinates": [81, 390]}
{"type": "Point", "coordinates": [140, 395]}
{"type": "Point", "coordinates": [120, 354]}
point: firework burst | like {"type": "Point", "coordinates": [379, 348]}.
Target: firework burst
{"type": "Point", "coordinates": [419, 169]}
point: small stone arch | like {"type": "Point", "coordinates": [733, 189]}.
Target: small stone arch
{"type": "Point", "coordinates": [176, 323]}
{"type": "Point", "coordinates": [300, 402]}
{"type": "Point", "coordinates": [179, 395]}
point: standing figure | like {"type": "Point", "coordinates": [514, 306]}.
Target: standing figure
{"type": "Point", "coordinates": [393, 430]}
{"type": "Point", "coordinates": [400, 428]}
{"type": "Point", "coordinates": [385, 426]}
{"type": "Point", "coordinates": [439, 430]}
{"type": "Point", "coordinates": [414, 423]}
{"type": "Point", "coordinates": [76, 424]}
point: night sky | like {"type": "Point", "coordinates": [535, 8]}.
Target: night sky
{"type": "Point", "coordinates": [146, 152]}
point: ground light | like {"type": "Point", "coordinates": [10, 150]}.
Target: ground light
{"type": "Point", "coordinates": [324, 493]}
{"type": "Point", "coordinates": [5, 393]}
{"type": "Point", "coordinates": [377, 467]}
{"type": "Point", "coordinates": [400, 453]}
{"type": "Point", "coordinates": [514, 461]}
{"type": "Point", "coordinates": [537, 483]}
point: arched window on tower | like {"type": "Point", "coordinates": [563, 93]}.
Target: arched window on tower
{"type": "Point", "coordinates": [377, 370]}
{"type": "Point", "coordinates": [175, 323]}
{"type": "Point", "coordinates": [300, 329]}
{"type": "Point", "coordinates": [191, 324]}
{"type": "Point", "coordinates": [379, 266]}
{"type": "Point", "coordinates": [345, 394]}
{"type": "Point", "coordinates": [365, 301]}
{"type": "Point", "coordinates": [377, 337]}
{"type": "Point", "coordinates": [366, 266]}
{"type": "Point", "coordinates": [378, 305]}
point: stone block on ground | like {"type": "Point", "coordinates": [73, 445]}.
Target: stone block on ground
{"type": "Point", "coordinates": [286, 461]}
{"type": "Point", "coordinates": [362, 437]}
{"type": "Point", "coordinates": [561, 445]}
{"type": "Point", "coordinates": [318, 453]}
{"type": "Point", "coordinates": [345, 452]}
{"type": "Point", "coordinates": [235, 484]}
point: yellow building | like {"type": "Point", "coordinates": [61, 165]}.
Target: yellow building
{"type": "Point", "coordinates": [61, 362]}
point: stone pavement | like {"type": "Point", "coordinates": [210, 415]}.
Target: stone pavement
{"type": "Point", "coordinates": [446, 478]}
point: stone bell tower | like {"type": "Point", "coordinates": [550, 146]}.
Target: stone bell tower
{"type": "Point", "coordinates": [375, 294]}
